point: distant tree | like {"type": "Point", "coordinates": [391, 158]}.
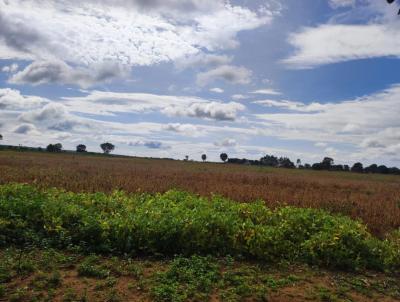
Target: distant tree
{"type": "Point", "coordinates": [186, 157]}
{"type": "Point", "coordinates": [285, 162]}
{"type": "Point", "coordinates": [394, 170]}
{"type": "Point", "coordinates": [58, 147]}
{"type": "Point", "coordinates": [54, 148]}
{"type": "Point", "coordinates": [371, 169]}
{"type": "Point", "coordinates": [1, 137]}
{"type": "Point", "coordinates": [269, 160]}
{"type": "Point", "coordinates": [346, 168]}
{"type": "Point", "coordinates": [81, 148]}
{"type": "Point", "coordinates": [327, 163]}
{"type": "Point", "coordinates": [298, 162]}
{"type": "Point", "coordinates": [223, 157]}
{"type": "Point", "coordinates": [358, 168]}
{"type": "Point", "coordinates": [204, 157]}
{"type": "Point", "coordinates": [337, 168]}
{"type": "Point", "coordinates": [383, 169]}
{"type": "Point", "coordinates": [317, 166]}
{"type": "Point", "coordinates": [107, 147]}
{"type": "Point", "coordinates": [307, 166]}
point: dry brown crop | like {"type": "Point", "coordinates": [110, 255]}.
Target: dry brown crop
{"type": "Point", "coordinates": [373, 198]}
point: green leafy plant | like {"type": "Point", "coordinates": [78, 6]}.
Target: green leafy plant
{"type": "Point", "coordinates": [181, 223]}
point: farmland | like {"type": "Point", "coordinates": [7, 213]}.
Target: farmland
{"type": "Point", "coordinates": [102, 228]}
{"type": "Point", "coordinates": [375, 199]}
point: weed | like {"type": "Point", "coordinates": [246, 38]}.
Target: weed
{"type": "Point", "coordinates": [90, 268]}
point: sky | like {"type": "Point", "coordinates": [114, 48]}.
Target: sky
{"type": "Point", "coordinates": [169, 78]}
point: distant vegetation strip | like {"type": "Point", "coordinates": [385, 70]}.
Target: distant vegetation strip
{"type": "Point", "coordinates": [181, 223]}
{"type": "Point", "coordinates": [327, 163]}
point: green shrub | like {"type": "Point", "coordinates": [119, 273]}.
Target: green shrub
{"type": "Point", "coordinates": [182, 223]}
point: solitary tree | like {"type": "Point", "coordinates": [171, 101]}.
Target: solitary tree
{"type": "Point", "coordinates": [224, 157]}
{"type": "Point", "coordinates": [107, 147]}
{"type": "Point", "coordinates": [1, 137]}
{"type": "Point", "coordinates": [204, 157]}
{"type": "Point", "coordinates": [80, 148]}
{"type": "Point", "coordinates": [298, 162]}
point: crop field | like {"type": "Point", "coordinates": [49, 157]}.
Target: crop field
{"type": "Point", "coordinates": [103, 228]}
{"type": "Point", "coordinates": [375, 199]}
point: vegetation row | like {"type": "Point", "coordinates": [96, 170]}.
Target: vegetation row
{"type": "Point", "coordinates": [181, 223]}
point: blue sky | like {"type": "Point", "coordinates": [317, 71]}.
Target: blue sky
{"type": "Point", "coordinates": [304, 79]}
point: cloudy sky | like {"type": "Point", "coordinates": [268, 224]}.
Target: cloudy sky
{"type": "Point", "coordinates": [169, 78]}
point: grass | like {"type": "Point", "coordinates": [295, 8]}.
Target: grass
{"type": "Point", "coordinates": [195, 278]}
{"type": "Point", "coordinates": [375, 199]}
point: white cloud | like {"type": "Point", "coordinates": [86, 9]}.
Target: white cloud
{"type": "Point", "coordinates": [109, 103]}
{"type": "Point", "coordinates": [291, 105]}
{"type": "Point", "coordinates": [185, 129]}
{"type": "Point", "coordinates": [266, 91]}
{"type": "Point", "coordinates": [151, 144]}
{"type": "Point", "coordinates": [365, 122]}
{"type": "Point", "coordinates": [42, 72]}
{"type": "Point", "coordinates": [228, 73]}
{"type": "Point", "coordinates": [212, 110]}
{"type": "Point", "coordinates": [342, 3]}
{"type": "Point", "coordinates": [11, 68]}
{"type": "Point", "coordinates": [11, 99]}
{"type": "Point", "coordinates": [202, 60]}
{"type": "Point", "coordinates": [332, 43]}
{"type": "Point", "coordinates": [86, 33]}
{"type": "Point", "coordinates": [25, 129]}
{"type": "Point", "coordinates": [228, 142]}
{"type": "Point", "coordinates": [240, 97]}
{"type": "Point", "coordinates": [217, 90]}
{"type": "Point", "coordinates": [320, 145]}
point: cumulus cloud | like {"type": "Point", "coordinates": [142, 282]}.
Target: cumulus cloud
{"type": "Point", "coordinates": [228, 73]}
{"type": "Point", "coordinates": [82, 33]}
{"type": "Point", "coordinates": [109, 103]}
{"type": "Point", "coordinates": [367, 122]}
{"type": "Point", "coordinates": [52, 116]}
{"type": "Point", "coordinates": [291, 105]}
{"type": "Point", "coordinates": [212, 110]}
{"type": "Point", "coordinates": [332, 43]}
{"type": "Point", "coordinates": [240, 97]}
{"type": "Point", "coordinates": [341, 3]}
{"type": "Point", "coordinates": [41, 72]}
{"type": "Point", "coordinates": [202, 60]}
{"type": "Point", "coordinates": [228, 142]}
{"type": "Point", "coordinates": [10, 68]}
{"type": "Point", "coordinates": [11, 99]}
{"type": "Point", "coordinates": [185, 129]}
{"type": "Point", "coordinates": [25, 129]}
{"type": "Point", "coordinates": [217, 90]}
{"type": "Point", "coordinates": [148, 144]}
{"type": "Point", "coordinates": [267, 91]}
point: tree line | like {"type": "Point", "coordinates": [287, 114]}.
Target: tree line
{"type": "Point", "coordinates": [327, 164]}
{"type": "Point", "coordinates": [106, 147]}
